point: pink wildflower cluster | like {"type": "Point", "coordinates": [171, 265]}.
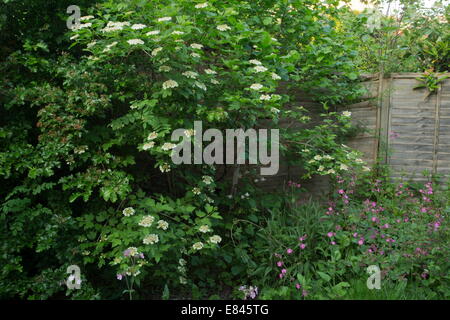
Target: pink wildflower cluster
{"type": "Point", "coordinates": [294, 184]}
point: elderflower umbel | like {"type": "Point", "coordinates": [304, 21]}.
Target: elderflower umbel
{"type": "Point", "coordinates": [256, 86]}
{"type": "Point", "coordinates": [128, 211]}
{"type": "Point", "coordinates": [260, 69]}
{"type": "Point", "coordinates": [223, 27]}
{"type": "Point", "coordinates": [135, 41]}
{"type": "Point", "coordinates": [156, 51]}
{"type": "Point", "coordinates": [197, 246]}
{"type": "Point", "coordinates": [196, 46]}
{"type": "Point", "coordinates": [255, 62]}
{"type": "Point", "coordinates": [170, 84]}
{"type": "Point", "coordinates": [152, 33]}
{"type": "Point", "coordinates": [207, 179]}
{"type": "Point", "coordinates": [162, 225]}
{"type": "Point", "coordinates": [138, 26]}
{"type": "Point", "coordinates": [147, 221]}
{"type": "Point", "coordinates": [204, 229]}
{"type": "Point", "coordinates": [164, 19]}
{"type": "Point", "coordinates": [164, 167]}
{"type": "Point", "coordinates": [189, 132]}
{"type": "Point", "coordinates": [153, 135]}
{"type": "Point", "coordinates": [196, 191]}
{"type": "Point", "coordinates": [346, 113]}
{"type": "Point", "coordinates": [190, 74]}
{"type": "Point", "coordinates": [168, 146]}
{"type": "Point", "coordinates": [209, 71]}
{"type": "Point", "coordinates": [151, 239]}
{"type": "Point", "coordinates": [148, 145]}
{"type": "Point", "coordinates": [201, 5]}
{"type": "Point", "coordinates": [275, 76]}
{"type": "Point", "coordinates": [86, 18]}
{"type": "Point", "coordinates": [215, 239]}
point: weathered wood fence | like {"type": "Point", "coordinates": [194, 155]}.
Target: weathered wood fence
{"type": "Point", "coordinates": [412, 127]}
{"type": "Point", "coordinates": [401, 128]}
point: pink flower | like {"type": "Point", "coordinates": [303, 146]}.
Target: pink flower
{"type": "Point", "coordinates": [333, 243]}
{"type": "Point", "coordinates": [283, 271]}
{"type": "Point", "coordinates": [304, 293]}
{"type": "Point", "coordinates": [289, 251]}
{"type": "Point", "coordinates": [119, 277]}
{"type": "Point", "coordinates": [298, 286]}
{"type": "Point", "coordinates": [355, 234]}
{"type": "Point", "coordinates": [280, 264]}
{"type": "Point", "coordinates": [280, 275]}
{"type": "Point", "coordinates": [361, 242]}
{"type": "Point", "coordinates": [302, 238]}
{"type": "Point", "coordinates": [330, 234]}
{"type": "Point", "coordinates": [341, 191]}
{"type": "Point", "coordinates": [302, 246]}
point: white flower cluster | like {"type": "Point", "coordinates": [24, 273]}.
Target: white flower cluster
{"type": "Point", "coordinates": [153, 135]}
{"type": "Point", "coordinates": [189, 132]}
{"type": "Point", "coordinates": [164, 167]}
{"type": "Point", "coordinates": [223, 27]}
{"type": "Point", "coordinates": [168, 146]}
{"type": "Point", "coordinates": [84, 18]}
{"type": "Point", "coordinates": [138, 26]}
{"type": "Point", "coordinates": [147, 221]}
{"type": "Point", "coordinates": [210, 71]}
{"type": "Point", "coordinates": [109, 46]}
{"type": "Point", "coordinates": [207, 179]}
{"type": "Point", "coordinates": [260, 69]}
{"type": "Point", "coordinates": [151, 239]}
{"type": "Point", "coordinates": [256, 86]}
{"type": "Point", "coordinates": [169, 84]}
{"type": "Point", "coordinates": [201, 5]}
{"type": "Point", "coordinates": [152, 33]}
{"type": "Point", "coordinates": [196, 46]}
{"type": "Point", "coordinates": [148, 145]}
{"type": "Point", "coordinates": [115, 26]}
{"type": "Point", "coordinates": [82, 26]}
{"type": "Point", "coordinates": [128, 211]}
{"type": "Point", "coordinates": [162, 225]}
{"type": "Point", "coordinates": [164, 19]}
{"type": "Point", "coordinates": [215, 239]}
{"type": "Point", "coordinates": [204, 228]}
{"type": "Point", "coordinates": [190, 74]}
{"type": "Point", "coordinates": [135, 41]}
{"type": "Point", "coordinates": [197, 246]}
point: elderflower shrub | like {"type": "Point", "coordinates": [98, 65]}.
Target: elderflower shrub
{"type": "Point", "coordinates": [103, 106]}
{"type": "Point", "coordinates": [228, 80]}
